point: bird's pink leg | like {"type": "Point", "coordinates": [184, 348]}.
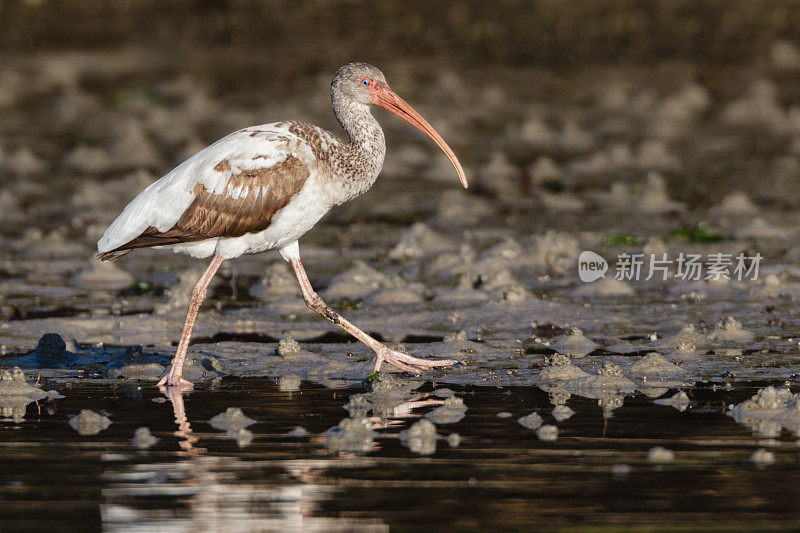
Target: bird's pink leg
{"type": "Point", "coordinates": [383, 353]}
{"type": "Point", "coordinates": [174, 378]}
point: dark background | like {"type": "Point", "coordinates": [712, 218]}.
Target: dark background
{"type": "Point", "coordinates": [554, 32]}
{"type": "Point", "coordinates": [489, 75]}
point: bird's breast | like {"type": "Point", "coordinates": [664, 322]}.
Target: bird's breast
{"type": "Point", "coordinates": [346, 170]}
{"type": "Point", "coordinates": [288, 224]}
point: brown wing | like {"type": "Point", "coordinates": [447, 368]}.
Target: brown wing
{"type": "Point", "coordinates": [229, 214]}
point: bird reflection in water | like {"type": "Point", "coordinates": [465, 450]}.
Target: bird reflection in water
{"type": "Point", "coordinates": [204, 492]}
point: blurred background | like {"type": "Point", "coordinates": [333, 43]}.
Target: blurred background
{"type": "Point", "coordinates": [616, 123]}
{"type": "Point", "coordinates": [571, 96]}
{"type": "Point", "coordinates": [615, 126]}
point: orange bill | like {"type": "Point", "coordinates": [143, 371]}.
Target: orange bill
{"type": "Point", "coordinates": [383, 96]}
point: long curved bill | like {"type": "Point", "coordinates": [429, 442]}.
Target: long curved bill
{"type": "Point", "coordinates": [383, 96]}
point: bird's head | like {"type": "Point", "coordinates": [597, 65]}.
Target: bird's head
{"type": "Point", "coordinates": [366, 84]}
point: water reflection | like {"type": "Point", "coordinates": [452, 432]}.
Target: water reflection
{"type": "Point", "coordinates": [16, 394]}
{"type": "Point", "coordinates": [500, 475]}
{"type": "Point", "coordinates": [201, 491]}
{"type": "Point", "coordinates": [13, 408]}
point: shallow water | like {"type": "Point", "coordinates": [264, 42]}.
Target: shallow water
{"type": "Point", "coordinates": [500, 476]}
{"type": "Point", "coordinates": [675, 156]}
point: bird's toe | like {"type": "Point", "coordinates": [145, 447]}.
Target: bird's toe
{"type": "Point", "coordinates": [173, 383]}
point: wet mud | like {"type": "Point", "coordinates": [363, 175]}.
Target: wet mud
{"type": "Point", "coordinates": [667, 399]}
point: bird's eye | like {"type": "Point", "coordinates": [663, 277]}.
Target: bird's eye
{"type": "Point", "coordinates": [365, 82]}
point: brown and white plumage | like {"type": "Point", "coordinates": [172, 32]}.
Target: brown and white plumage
{"type": "Point", "coordinates": [234, 197]}
{"type": "Point", "coordinates": [262, 188]}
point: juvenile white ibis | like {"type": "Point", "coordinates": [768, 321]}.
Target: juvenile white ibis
{"type": "Point", "coordinates": [264, 187]}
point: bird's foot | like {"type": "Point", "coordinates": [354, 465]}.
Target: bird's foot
{"type": "Point", "coordinates": [175, 382]}
{"type": "Point", "coordinates": [406, 362]}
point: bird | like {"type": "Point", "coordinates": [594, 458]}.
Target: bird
{"type": "Point", "coordinates": [263, 187]}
